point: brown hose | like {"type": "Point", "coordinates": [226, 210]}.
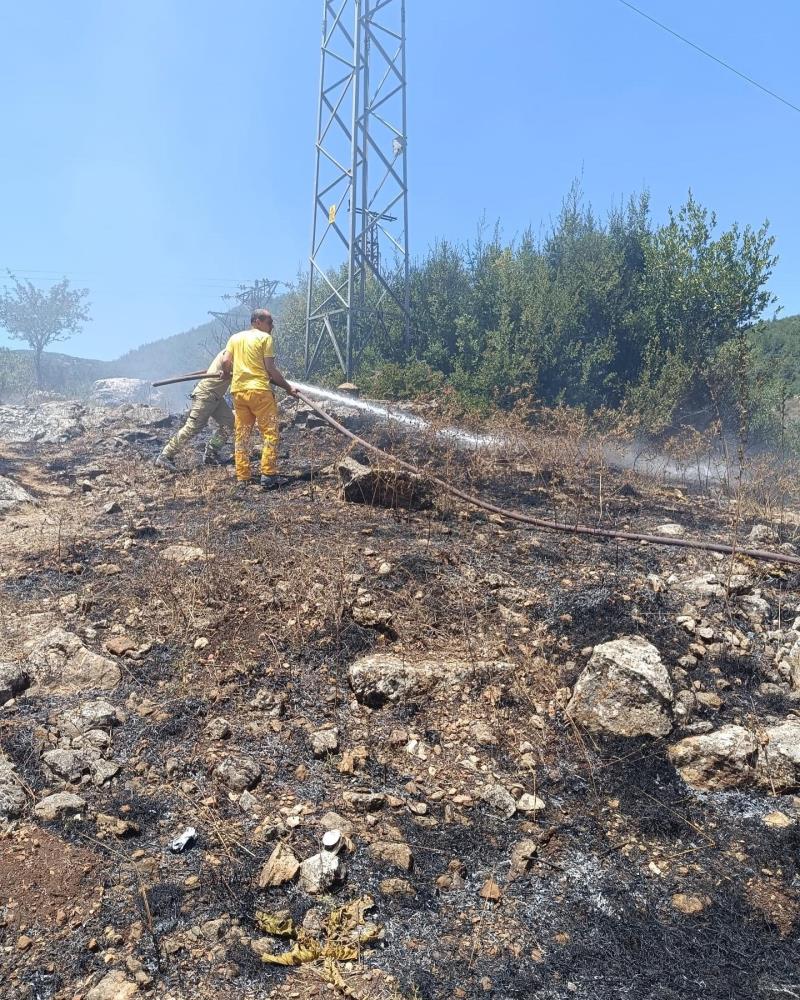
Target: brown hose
{"type": "Point", "coordinates": [537, 522]}
{"type": "Point", "coordinates": [191, 377]}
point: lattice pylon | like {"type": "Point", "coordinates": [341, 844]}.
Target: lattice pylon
{"type": "Point", "coordinates": [359, 237]}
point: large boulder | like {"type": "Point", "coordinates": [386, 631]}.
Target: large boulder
{"type": "Point", "coordinates": [59, 660]}
{"type": "Point", "coordinates": [624, 690]}
{"type": "Point", "coordinates": [724, 759]}
{"type": "Point", "coordinates": [384, 487]}
{"type": "Point", "coordinates": [382, 677]}
{"type": "Point", "coordinates": [119, 391]}
{"type": "Point", "coordinates": [12, 495]}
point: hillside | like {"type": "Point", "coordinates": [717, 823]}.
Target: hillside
{"type": "Point", "coordinates": [190, 350]}
{"type": "Point", "coordinates": [778, 348]}
{"type": "Point", "coordinates": [547, 766]}
{"type": "Point", "coordinates": [183, 352]}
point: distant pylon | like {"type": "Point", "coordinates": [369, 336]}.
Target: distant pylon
{"type": "Point", "coordinates": [249, 297]}
{"type": "Point", "coordinates": [359, 259]}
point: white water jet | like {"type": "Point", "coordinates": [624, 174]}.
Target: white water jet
{"type": "Point", "coordinates": [462, 438]}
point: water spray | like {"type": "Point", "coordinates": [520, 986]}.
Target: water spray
{"type": "Point", "coordinates": [460, 437]}
{"type": "Point", "coordinates": [761, 555]}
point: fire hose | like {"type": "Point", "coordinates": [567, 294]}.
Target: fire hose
{"type": "Point", "coordinates": [761, 555]}
{"type": "Point", "coordinates": [191, 377]}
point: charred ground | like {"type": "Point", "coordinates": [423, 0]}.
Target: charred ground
{"type": "Point", "coordinates": [258, 625]}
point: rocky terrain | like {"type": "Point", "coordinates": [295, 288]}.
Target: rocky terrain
{"type": "Point", "coordinates": [302, 745]}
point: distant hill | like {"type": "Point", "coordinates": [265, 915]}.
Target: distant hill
{"type": "Point", "coordinates": [191, 350]}
{"type": "Point", "coordinates": [778, 347]}
{"type": "Point", "coordinates": [183, 352]}
{"type": "Point", "coordinates": [61, 373]}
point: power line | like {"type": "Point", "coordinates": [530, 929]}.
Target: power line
{"type": "Point", "coordinates": [710, 55]}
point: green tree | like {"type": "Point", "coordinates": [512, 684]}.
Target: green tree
{"type": "Point", "coordinates": [40, 318]}
{"type": "Point", "coordinates": [698, 295]}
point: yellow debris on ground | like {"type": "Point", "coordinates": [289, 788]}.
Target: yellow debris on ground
{"type": "Point", "coordinates": [345, 932]}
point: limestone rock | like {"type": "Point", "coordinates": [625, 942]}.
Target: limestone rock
{"type": "Point", "coordinates": [690, 905]}
{"type": "Point", "coordinates": [522, 854]}
{"type": "Point", "coordinates": [319, 872]}
{"type": "Point", "coordinates": [114, 986]}
{"type": "Point", "coordinates": [391, 852]}
{"type": "Point", "coordinates": [384, 487]}
{"type": "Point", "coordinates": [333, 821]}
{"type": "Point", "coordinates": [12, 794]}
{"type": "Point", "coordinates": [722, 759]}
{"type": "Point", "coordinates": [793, 660]}
{"type": "Point", "coordinates": [381, 677]}
{"type": "Point", "coordinates": [48, 422]}
{"type": "Point", "coordinates": [183, 554]}
{"type": "Point", "coordinates": [115, 826]}
{"type": "Point", "coordinates": [530, 803]}
{"type": "Point", "coordinates": [118, 391]}
{"type": "Point", "coordinates": [59, 806]}
{"type": "Point", "coordinates": [671, 530]}
{"type": "Point", "coordinates": [103, 771]}
{"type": "Point", "coordinates": [491, 891]}
{"type": "Point", "coordinates": [761, 535]}
{"type": "Point", "coordinates": [396, 887]}
{"type": "Point", "coordinates": [66, 764]}
{"type": "Point", "coordinates": [365, 801]}
{"type": "Point", "coordinates": [218, 729]}
{"type": "Point", "coordinates": [777, 820]}
{"type": "Point", "coordinates": [91, 716]}
{"type": "Point", "coordinates": [14, 679]}
{"type": "Point", "coordinates": [483, 734]}
{"type": "Point", "coordinates": [238, 773]}
{"type": "Point", "coordinates": [119, 645]}
{"type": "Point", "coordinates": [500, 799]}
{"type": "Point", "coordinates": [11, 495]}
{"type": "Point", "coordinates": [779, 759]}
{"type": "Point", "coordinates": [324, 741]}
{"type": "Point", "coordinates": [624, 690]}
{"type": "Point", "coordinates": [281, 866]}
{"type": "Point", "coordinates": [60, 660]}
{"type": "Point", "coordinates": [703, 585]}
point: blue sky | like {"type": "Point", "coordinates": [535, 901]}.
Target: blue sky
{"type": "Point", "coordinates": [160, 151]}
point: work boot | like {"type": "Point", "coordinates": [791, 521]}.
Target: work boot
{"type": "Point", "coordinates": [241, 487]}
{"type": "Point", "coordinates": [165, 462]}
{"type": "Point", "coordinates": [273, 482]}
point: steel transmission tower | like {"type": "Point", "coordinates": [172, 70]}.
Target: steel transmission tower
{"type": "Point", "coordinates": [359, 263]}
{"type": "Point", "coordinates": [247, 298]}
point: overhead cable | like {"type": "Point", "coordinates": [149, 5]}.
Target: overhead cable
{"type": "Point", "coordinates": [710, 55]}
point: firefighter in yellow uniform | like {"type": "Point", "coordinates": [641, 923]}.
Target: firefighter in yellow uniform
{"type": "Point", "coordinates": [250, 357]}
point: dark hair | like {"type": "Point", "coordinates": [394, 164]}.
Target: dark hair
{"type": "Point", "coordinates": [259, 315]}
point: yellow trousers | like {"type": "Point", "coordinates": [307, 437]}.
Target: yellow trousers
{"type": "Point", "coordinates": [256, 406]}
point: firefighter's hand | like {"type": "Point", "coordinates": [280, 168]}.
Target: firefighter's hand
{"type": "Point", "coordinates": [292, 390]}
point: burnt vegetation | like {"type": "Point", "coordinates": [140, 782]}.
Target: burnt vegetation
{"type": "Point", "coordinates": [253, 611]}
